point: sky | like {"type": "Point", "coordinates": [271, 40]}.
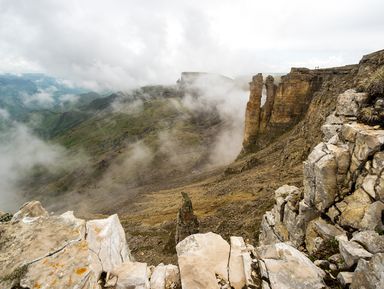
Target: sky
{"type": "Point", "coordinates": [121, 44]}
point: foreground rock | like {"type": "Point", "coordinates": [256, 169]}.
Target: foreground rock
{"type": "Point", "coordinates": [42, 251]}
{"type": "Point", "coordinates": [340, 210]}
{"type": "Point", "coordinates": [202, 259]}
{"type": "Point", "coordinates": [369, 274]}
{"type": "Point", "coordinates": [286, 268]}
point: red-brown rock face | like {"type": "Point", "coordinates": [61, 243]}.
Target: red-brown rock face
{"type": "Point", "coordinates": [286, 103]}
{"type": "Point", "coordinates": [252, 113]}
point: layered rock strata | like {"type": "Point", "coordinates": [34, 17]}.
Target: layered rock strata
{"type": "Point", "coordinates": [286, 103]}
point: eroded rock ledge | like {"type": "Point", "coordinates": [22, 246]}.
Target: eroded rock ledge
{"type": "Point", "coordinates": [43, 251]}
{"type": "Point", "coordinates": [338, 216]}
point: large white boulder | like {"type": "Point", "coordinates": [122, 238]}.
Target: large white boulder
{"type": "Point", "coordinates": [133, 275]}
{"type": "Point", "coordinates": [106, 239]}
{"type": "Point", "coordinates": [165, 277]}
{"type": "Point", "coordinates": [240, 263]}
{"type": "Point", "coordinates": [201, 258]}
{"type": "Point", "coordinates": [288, 268]}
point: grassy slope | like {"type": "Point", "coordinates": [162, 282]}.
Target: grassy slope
{"type": "Point", "coordinates": [107, 138]}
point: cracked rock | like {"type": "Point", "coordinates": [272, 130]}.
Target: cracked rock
{"type": "Point", "coordinates": [369, 274]}
{"type": "Point", "coordinates": [289, 268]}
{"type": "Point", "coordinates": [201, 258]}
{"type": "Point", "coordinates": [352, 252]}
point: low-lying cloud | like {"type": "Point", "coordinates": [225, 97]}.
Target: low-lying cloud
{"type": "Point", "coordinates": [20, 152]}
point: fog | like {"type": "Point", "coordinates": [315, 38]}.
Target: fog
{"type": "Point", "coordinates": [20, 152]}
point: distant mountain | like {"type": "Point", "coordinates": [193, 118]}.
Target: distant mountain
{"type": "Point", "coordinates": [39, 101]}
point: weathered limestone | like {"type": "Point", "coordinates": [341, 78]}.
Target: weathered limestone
{"type": "Point", "coordinates": [165, 277]}
{"type": "Point", "coordinates": [32, 209]}
{"type": "Point", "coordinates": [68, 252]}
{"type": "Point", "coordinates": [373, 217]}
{"type": "Point", "coordinates": [352, 252]}
{"type": "Point", "coordinates": [342, 196]}
{"type": "Point", "coordinates": [370, 240]}
{"type": "Point", "coordinates": [369, 274]}
{"type": "Point", "coordinates": [239, 264]}
{"type": "Point", "coordinates": [349, 103]}
{"type": "Point", "coordinates": [106, 238]}
{"type": "Point", "coordinates": [288, 218]}
{"type": "Point", "coordinates": [319, 234]}
{"type": "Point", "coordinates": [132, 275]}
{"type": "Point", "coordinates": [201, 258]}
{"type": "Point", "coordinates": [286, 268]}
{"type": "Point", "coordinates": [345, 278]}
{"type": "Point", "coordinates": [353, 209]}
{"type": "Point", "coordinates": [186, 222]}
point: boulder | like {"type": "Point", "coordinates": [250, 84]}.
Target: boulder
{"type": "Point", "coordinates": [106, 239]}
{"type": "Point", "coordinates": [323, 172]}
{"type": "Point", "coordinates": [70, 267]}
{"type": "Point", "coordinates": [289, 268]}
{"type": "Point", "coordinates": [370, 240]}
{"type": "Point", "coordinates": [240, 263]}
{"type": "Point", "coordinates": [131, 275]}
{"type": "Point", "coordinates": [165, 277]}
{"type": "Point", "coordinates": [201, 258]}
{"type": "Point", "coordinates": [32, 209]}
{"type": "Point", "coordinates": [59, 258]}
{"type": "Point", "coordinates": [353, 209]}
{"type": "Point", "coordinates": [368, 142]}
{"type": "Point", "coordinates": [369, 274]}
{"type": "Point", "coordinates": [267, 232]}
{"type": "Point", "coordinates": [352, 252]}
{"type": "Point", "coordinates": [345, 278]}
{"type": "Point", "coordinates": [172, 277]}
{"type": "Point", "coordinates": [373, 217]}
{"type": "Point", "coordinates": [320, 234]}
{"type": "Point", "coordinates": [349, 102]}
{"type": "Point", "coordinates": [332, 126]}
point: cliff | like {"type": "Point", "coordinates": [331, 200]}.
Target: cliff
{"type": "Point", "coordinates": [337, 218]}
{"type": "Point", "coordinates": [286, 103]}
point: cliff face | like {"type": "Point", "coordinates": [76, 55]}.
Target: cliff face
{"type": "Point", "coordinates": [338, 215]}
{"type": "Point", "coordinates": [286, 103]}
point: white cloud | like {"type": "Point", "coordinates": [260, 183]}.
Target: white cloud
{"type": "Point", "coordinates": [20, 152]}
{"type": "Point", "coordinates": [121, 44]}
{"type": "Point", "coordinates": [69, 98]}
{"type": "Point", "coordinates": [43, 97]}
{"type": "Point", "coordinates": [4, 114]}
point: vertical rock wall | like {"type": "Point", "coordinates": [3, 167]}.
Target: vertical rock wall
{"type": "Point", "coordinates": [286, 102]}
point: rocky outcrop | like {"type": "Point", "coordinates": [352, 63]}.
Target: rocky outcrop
{"type": "Point", "coordinates": [253, 110]}
{"type": "Point", "coordinates": [42, 251]}
{"type": "Point", "coordinates": [286, 103]}
{"type": "Point", "coordinates": [340, 208]}
{"type": "Point", "coordinates": [186, 222]}
{"type": "Point", "coordinates": [285, 267]}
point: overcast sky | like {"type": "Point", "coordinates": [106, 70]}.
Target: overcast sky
{"type": "Point", "coordinates": [119, 44]}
